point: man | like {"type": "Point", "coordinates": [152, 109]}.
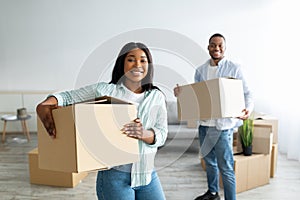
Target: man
{"type": "Point", "coordinates": [215, 135]}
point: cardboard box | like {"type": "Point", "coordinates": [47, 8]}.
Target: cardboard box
{"type": "Point", "coordinates": [251, 171]}
{"type": "Point", "coordinates": [192, 124]}
{"type": "Point", "coordinates": [235, 142]}
{"type": "Point", "coordinates": [52, 178]}
{"type": "Point", "coordinates": [202, 161]}
{"type": "Point", "coordinates": [88, 137]}
{"type": "Point", "coordinates": [268, 120]}
{"type": "Point", "coordinates": [236, 150]}
{"type": "Point", "coordinates": [262, 140]}
{"type": "Point", "coordinates": [274, 156]}
{"type": "Point", "coordinates": [216, 98]}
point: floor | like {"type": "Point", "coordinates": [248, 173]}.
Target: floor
{"type": "Point", "coordinates": [177, 164]}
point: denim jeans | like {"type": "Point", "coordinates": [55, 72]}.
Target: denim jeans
{"type": "Point", "coordinates": [114, 184]}
{"type": "Point", "coordinates": [216, 150]}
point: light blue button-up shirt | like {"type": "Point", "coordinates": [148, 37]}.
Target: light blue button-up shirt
{"type": "Point", "coordinates": [227, 68]}
{"type": "Point", "coordinates": [152, 112]}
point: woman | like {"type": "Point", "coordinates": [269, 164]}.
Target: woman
{"type": "Point", "coordinates": [132, 80]}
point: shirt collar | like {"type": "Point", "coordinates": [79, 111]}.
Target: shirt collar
{"type": "Point", "coordinates": [123, 87]}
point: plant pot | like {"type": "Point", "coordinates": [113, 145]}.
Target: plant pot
{"type": "Point", "coordinates": [247, 151]}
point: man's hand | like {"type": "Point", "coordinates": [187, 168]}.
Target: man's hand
{"type": "Point", "coordinates": [246, 114]}
{"type": "Point", "coordinates": [177, 90]}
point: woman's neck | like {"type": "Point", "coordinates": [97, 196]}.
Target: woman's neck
{"type": "Point", "coordinates": [133, 86]}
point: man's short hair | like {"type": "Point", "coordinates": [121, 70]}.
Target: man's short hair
{"type": "Point", "coordinates": [216, 35]}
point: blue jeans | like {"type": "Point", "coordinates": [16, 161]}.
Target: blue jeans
{"type": "Point", "coordinates": [114, 184]}
{"type": "Point", "coordinates": [216, 150]}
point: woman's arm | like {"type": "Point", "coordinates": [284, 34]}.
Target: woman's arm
{"type": "Point", "coordinates": [44, 109]}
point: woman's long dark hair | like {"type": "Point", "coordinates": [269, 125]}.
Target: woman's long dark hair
{"type": "Point", "coordinates": [118, 71]}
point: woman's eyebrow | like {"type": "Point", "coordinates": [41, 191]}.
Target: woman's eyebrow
{"type": "Point", "coordinates": [134, 56]}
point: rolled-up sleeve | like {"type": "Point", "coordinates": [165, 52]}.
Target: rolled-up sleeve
{"type": "Point", "coordinates": [82, 94]}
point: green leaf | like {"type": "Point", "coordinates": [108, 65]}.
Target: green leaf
{"type": "Point", "coordinates": [246, 132]}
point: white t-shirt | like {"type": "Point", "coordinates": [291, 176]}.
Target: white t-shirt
{"type": "Point", "coordinates": [212, 72]}
{"type": "Point", "coordinates": [134, 98]}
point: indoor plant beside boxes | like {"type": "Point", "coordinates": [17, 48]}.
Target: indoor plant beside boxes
{"type": "Point", "coordinates": [246, 134]}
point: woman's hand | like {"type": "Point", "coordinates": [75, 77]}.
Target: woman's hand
{"type": "Point", "coordinates": [136, 130]}
{"type": "Point", "coordinates": [44, 112]}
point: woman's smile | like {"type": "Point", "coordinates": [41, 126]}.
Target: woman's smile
{"type": "Point", "coordinates": [137, 71]}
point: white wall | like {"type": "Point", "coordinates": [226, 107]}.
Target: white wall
{"type": "Point", "coordinates": [63, 44]}
{"type": "Point", "coordinates": [12, 100]}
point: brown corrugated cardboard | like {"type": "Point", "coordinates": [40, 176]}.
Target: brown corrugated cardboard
{"type": "Point", "coordinates": [262, 139]}
{"type": "Point", "coordinates": [251, 171]}
{"type": "Point", "coordinates": [88, 137]}
{"type": "Point", "coordinates": [274, 156]}
{"type": "Point", "coordinates": [241, 174]}
{"type": "Point", "coordinates": [216, 98]}
{"type": "Point", "coordinates": [192, 124]}
{"type": "Point", "coordinates": [202, 161]}
{"type": "Point", "coordinates": [269, 121]}
{"type": "Point", "coordinates": [52, 178]}
{"type": "Point", "coordinates": [235, 144]}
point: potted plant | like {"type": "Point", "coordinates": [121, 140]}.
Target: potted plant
{"type": "Point", "coordinates": [246, 134]}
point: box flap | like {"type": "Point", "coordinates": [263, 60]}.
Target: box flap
{"type": "Point", "coordinates": [106, 100]}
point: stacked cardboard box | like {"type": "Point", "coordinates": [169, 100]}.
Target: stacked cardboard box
{"type": "Point", "coordinates": [251, 171]}
{"type": "Point", "coordinates": [264, 120]}
{"type": "Point", "coordinates": [88, 137]}
{"type": "Point", "coordinates": [235, 141]}
{"type": "Point", "coordinates": [264, 124]}
{"type": "Point", "coordinates": [256, 170]}
{"type": "Point", "coordinates": [262, 139]}
{"type": "Point", "coordinates": [49, 177]}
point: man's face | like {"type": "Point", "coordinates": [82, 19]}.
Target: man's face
{"type": "Point", "coordinates": [216, 48]}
